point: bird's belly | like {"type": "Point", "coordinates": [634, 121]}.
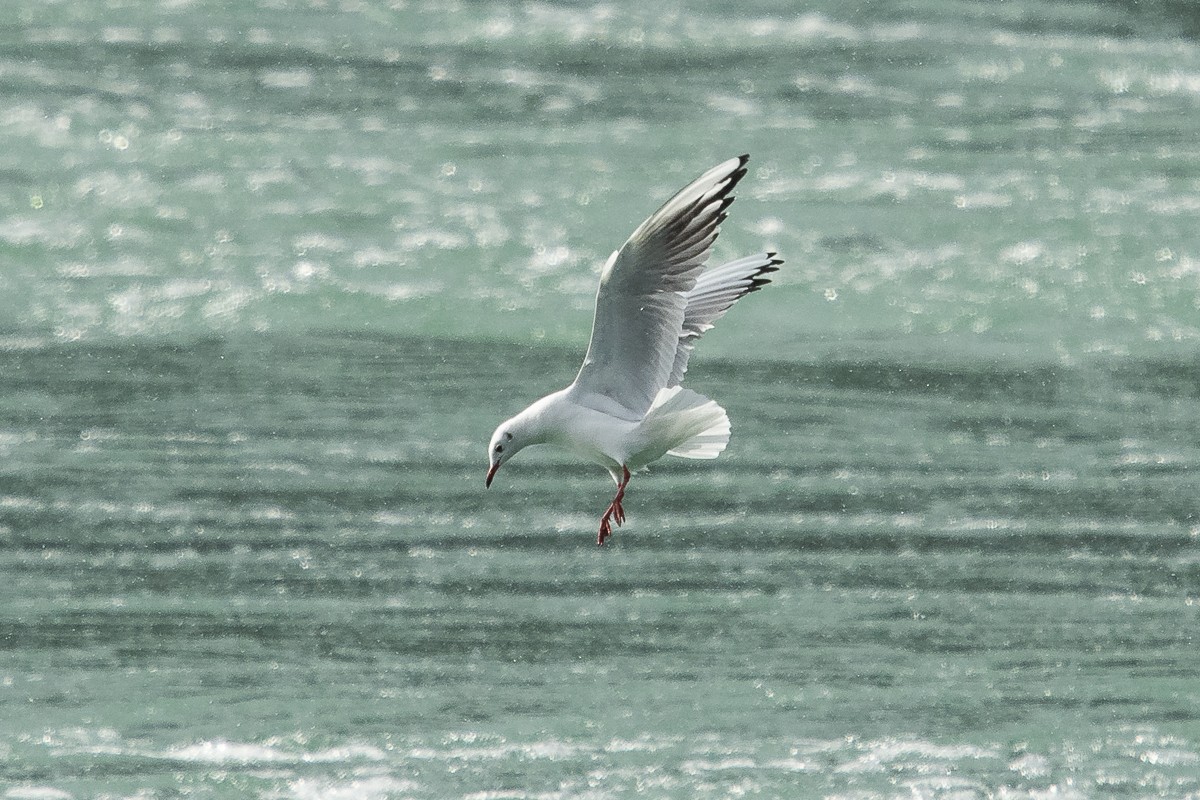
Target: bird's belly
{"type": "Point", "coordinates": [601, 439]}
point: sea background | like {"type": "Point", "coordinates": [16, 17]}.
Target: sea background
{"type": "Point", "coordinates": [272, 271]}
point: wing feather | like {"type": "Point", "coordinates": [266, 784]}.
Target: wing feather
{"type": "Point", "coordinates": [641, 302]}
{"type": "Point", "coordinates": [715, 292]}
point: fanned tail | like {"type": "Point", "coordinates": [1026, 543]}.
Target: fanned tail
{"type": "Point", "coordinates": [683, 423]}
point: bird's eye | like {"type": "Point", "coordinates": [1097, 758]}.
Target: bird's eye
{"type": "Point", "coordinates": [499, 448]}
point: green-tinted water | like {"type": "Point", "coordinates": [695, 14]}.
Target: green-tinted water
{"type": "Point", "coordinates": [270, 273]}
{"type": "Point", "coordinates": [230, 578]}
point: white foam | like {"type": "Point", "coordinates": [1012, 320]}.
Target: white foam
{"type": "Point", "coordinates": [701, 765]}
{"type": "Point", "coordinates": [37, 793]}
{"type": "Point", "coordinates": [222, 751]}
{"type": "Point", "coordinates": [1030, 765]}
{"type": "Point", "coordinates": [888, 754]}
{"type": "Point", "coordinates": [381, 786]}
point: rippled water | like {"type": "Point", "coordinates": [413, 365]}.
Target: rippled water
{"type": "Point", "coordinates": [902, 580]}
{"type": "Point", "coordinates": [1019, 175]}
{"type": "Point", "coordinates": [271, 272]}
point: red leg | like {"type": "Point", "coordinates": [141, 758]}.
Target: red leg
{"type": "Point", "coordinates": [614, 511]}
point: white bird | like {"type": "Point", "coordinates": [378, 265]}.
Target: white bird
{"type": "Point", "coordinates": [626, 407]}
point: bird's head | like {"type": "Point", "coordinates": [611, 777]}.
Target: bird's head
{"type": "Point", "coordinates": [506, 441]}
{"type": "Point", "coordinates": [532, 426]}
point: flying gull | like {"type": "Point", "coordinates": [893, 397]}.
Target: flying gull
{"type": "Point", "coordinates": [626, 407]}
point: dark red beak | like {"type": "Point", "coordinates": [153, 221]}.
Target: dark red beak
{"type": "Point", "coordinates": [491, 474]}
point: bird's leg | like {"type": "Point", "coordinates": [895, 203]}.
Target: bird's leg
{"type": "Point", "coordinates": [614, 511]}
{"type": "Point", "coordinates": [620, 512]}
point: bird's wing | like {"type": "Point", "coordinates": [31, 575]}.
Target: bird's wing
{"type": "Point", "coordinates": [643, 295]}
{"type": "Point", "coordinates": [715, 292]}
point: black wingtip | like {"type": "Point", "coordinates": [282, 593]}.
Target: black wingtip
{"type": "Point", "coordinates": [759, 279]}
{"type": "Point", "coordinates": [734, 177]}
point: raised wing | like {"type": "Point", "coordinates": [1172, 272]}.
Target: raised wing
{"type": "Point", "coordinates": [715, 292]}
{"type": "Point", "coordinates": [643, 296]}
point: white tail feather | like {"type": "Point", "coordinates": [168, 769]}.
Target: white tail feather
{"type": "Point", "coordinates": [685, 424]}
{"type": "Point", "coordinates": [708, 444]}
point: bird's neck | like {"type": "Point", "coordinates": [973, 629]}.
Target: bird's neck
{"type": "Point", "coordinates": [541, 422]}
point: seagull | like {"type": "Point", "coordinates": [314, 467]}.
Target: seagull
{"type": "Point", "coordinates": [626, 407]}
